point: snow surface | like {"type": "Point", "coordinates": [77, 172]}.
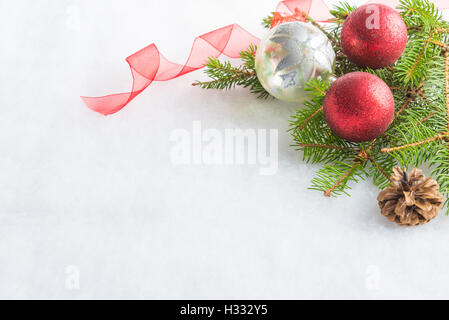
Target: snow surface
{"type": "Point", "coordinates": [93, 207]}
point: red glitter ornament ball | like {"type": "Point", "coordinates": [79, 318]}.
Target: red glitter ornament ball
{"type": "Point", "coordinates": [359, 107]}
{"type": "Point", "coordinates": [374, 36]}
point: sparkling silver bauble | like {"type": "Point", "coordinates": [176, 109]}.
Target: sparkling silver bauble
{"type": "Point", "coordinates": [289, 56]}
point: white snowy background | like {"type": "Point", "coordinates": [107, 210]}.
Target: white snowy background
{"type": "Point", "coordinates": [92, 207]}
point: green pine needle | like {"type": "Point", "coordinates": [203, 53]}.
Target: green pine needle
{"type": "Point", "coordinates": [224, 76]}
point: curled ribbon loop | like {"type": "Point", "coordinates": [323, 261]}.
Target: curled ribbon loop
{"type": "Point", "coordinates": [148, 64]}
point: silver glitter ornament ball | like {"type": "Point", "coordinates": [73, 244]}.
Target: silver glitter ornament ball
{"type": "Point", "coordinates": [289, 56]}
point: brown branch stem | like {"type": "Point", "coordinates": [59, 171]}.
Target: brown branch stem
{"type": "Point", "coordinates": [428, 117]}
{"type": "Point", "coordinates": [443, 136]}
{"type": "Point", "coordinates": [328, 193]}
{"type": "Point", "coordinates": [195, 84]}
{"type": "Point", "coordinates": [421, 54]}
{"type": "Point", "coordinates": [412, 95]}
{"type": "Point", "coordinates": [237, 75]}
{"type": "Point", "coordinates": [378, 167]}
{"type": "Point", "coordinates": [442, 30]}
{"type": "Point", "coordinates": [403, 107]}
{"type": "Point", "coordinates": [311, 145]}
{"type": "Point", "coordinates": [438, 43]}
{"type": "Point", "coordinates": [303, 125]}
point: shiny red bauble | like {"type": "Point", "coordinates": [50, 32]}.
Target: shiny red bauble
{"type": "Point", "coordinates": [359, 107]}
{"type": "Point", "coordinates": [374, 36]}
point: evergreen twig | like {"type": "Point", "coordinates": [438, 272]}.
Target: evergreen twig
{"type": "Point", "coordinates": [224, 76]}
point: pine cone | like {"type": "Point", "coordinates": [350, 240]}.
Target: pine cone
{"type": "Point", "coordinates": [411, 200]}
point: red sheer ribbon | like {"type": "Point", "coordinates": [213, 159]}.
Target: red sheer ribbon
{"type": "Point", "coordinates": [278, 18]}
{"type": "Point", "coordinates": [150, 65]}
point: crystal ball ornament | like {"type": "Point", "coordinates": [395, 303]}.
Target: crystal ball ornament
{"type": "Point", "coordinates": [289, 56]}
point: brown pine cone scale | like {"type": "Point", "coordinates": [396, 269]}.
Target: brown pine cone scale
{"type": "Point", "coordinates": [411, 200]}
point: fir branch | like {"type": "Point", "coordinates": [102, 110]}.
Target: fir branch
{"type": "Point", "coordinates": [309, 118]}
{"type": "Point", "coordinates": [224, 76]}
{"type": "Point", "coordinates": [420, 13]}
{"type": "Point", "coordinates": [378, 167]}
{"type": "Point", "coordinates": [403, 107]}
{"type": "Point", "coordinates": [342, 180]}
{"type": "Point", "coordinates": [342, 11]}
{"type": "Point", "coordinates": [440, 163]}
{"type": "Point", "coordinates": [317, 88]}
{"type": "Point", "coordinates": [446, 80]}
{"type": "Point", "coordinates": [330, 178]}
{"type": "Point", "coordinates": [268, 21]}
{"type": "Point", "coordinates": [412, 66]}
